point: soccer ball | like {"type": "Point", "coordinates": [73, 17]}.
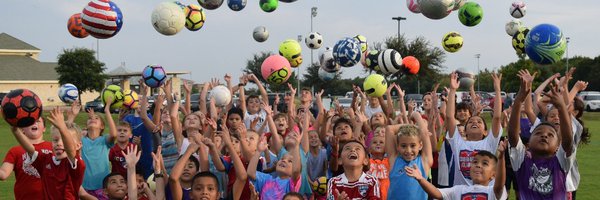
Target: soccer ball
{"type": "Point", "coordinates": [130, 99]}
{"type": "Point", "coordinates": [268, 5]}
{"type": "Point", "coordinates": [545, 44]}
{"type": "Point", "coordinates": [291, 50]}
{"type": "Point", "coordinates": [314, 40]}
{"type": "Point", "coordinates": [168, 18]}
{"type": "Point", "coordinates": [470, 14]}
{"type": "Point", "coordinates": [375, 85]}
{"type": "Point", "coordinates": [390, 61]}
{"type": "Point", "coordinates": [328, 62]}
{"type": "Point", "coordinates": [452, 42]}
{"type": "Point", "coordinates": [68, 93]}
{"type": "Point", "coordinates": [325, 75]}
{"type": "Point", "coordinates": [513, 26]}
{"type": "Point", "coordinates": [458, 4]}
{"type": "Point", "coordinates": [518, 40]}
{"type": "Point", "coordinates": [21, 108]}
{"type": "Point", "coordinates": [346, 52]}
{"type": "Point", "coordinates": [319, 186]}
{"type": "Point", "coordinates": [154, 76]}
{"type": "Point", "coordinates": [413, 6]}
{"type": "Point", "coordinates": [210, 4]}
{"type": "Point", "coordinates": [518, 9]}
{"type": "Point", "coordinates": [194, 17]}
{"type": "Point", "coordinates": [466, 78]}
{"type": "Point", "coordinates": [236, 5]}
{"type": "Point", "coordinates": [276, 69]}
{"type": "Point", "coordinates": [221, 95]}
{"type": "Point", "coordinates": [114, 93]}
{"type": "Point", "coordinates": [372, 60]}
{"type": "Point", "coordinates": [75, 26]}
{"type": "Point", "coordinates": [362, 40]}
{"type": "Point", "coordinates": [436, 9]}
{"type": "Point", "coordinates": [411, 65]}
{"type": "Point", "coordinates": [102, 19]}
{"type": "Point", "coordinates": [260, 34]}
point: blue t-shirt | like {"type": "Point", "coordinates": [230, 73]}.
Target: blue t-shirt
{"type": "Point", "coordinates": [139, 130]}
{"type": "Point", "coordinates": [403, 186]}
{"type": "Point", "coordinates": [305, 186]}
{"type": "Point", "coordinates": [95, 155]}
{"type": "Point", "coordinates": [270, 187]}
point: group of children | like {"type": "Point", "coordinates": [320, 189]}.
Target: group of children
{"type": "Point", "coordinates": [253, 150]}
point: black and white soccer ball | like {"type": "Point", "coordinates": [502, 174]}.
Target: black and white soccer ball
{"type": "Point", "coordinates": [314, 40]}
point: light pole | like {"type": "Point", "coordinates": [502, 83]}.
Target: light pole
{"type": "Point", "coordinates": [567, 70]}
{"type": "Point", "coordinates": [298, 71]}
{"type": "Point", "coordinates": [478, 72]}
{"type": "Point", "coordinates": [398, 19]}
{"type": "Point", "coordinates": [313, 14]}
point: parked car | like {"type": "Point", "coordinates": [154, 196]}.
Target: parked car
{"type": "Point", "coordinates": [95, 104]}
{"type": "Point", "coordinates": [591, 102]}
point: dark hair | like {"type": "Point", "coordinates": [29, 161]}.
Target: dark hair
{"type": "Point", "coordinates": [139, 171]}
{"type": "Point", "coordinates": [464, 106]}
{"type": "Point", "coordinates": [194, 160]}
{"type": "Point", "coordinates": [341, 120]}
{"type": "Point", "coordinates": [251, 97]}
{"type": "Point", "coordinates": [280, 115]}
{"type": "Point", "coordinates": [579, 107]}
{"type": "Point", "coordinates": [236, 110]}
{"type": "Point", "coordinates": [343, 144]}
{"type": "Point", "coordinates": [545, 123]}
{"type": "Point", "coordinates": [203, 174]}
{"type": "Point", "coordinates": [488, 154]}
{"type": "Point", "coordinates": [293, 194]}
{"type": "Point", "coordinates": [105, 180]}
{"type": "Point", "coordinates": [482, 119]}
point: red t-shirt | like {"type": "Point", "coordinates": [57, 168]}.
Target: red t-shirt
{"type": "Point", "coordinates": [366, 187]}
{"type": "Point", "coordinates": [61, 179]}
{"type": "Point", "coordinates": [28, 185]}
{"type": "Point", "coordinates": [117, 160]}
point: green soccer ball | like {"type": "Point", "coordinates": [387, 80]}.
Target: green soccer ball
{"type": "Point", "coordinates": [518, 40]}
{"type": "Point", "coordinates": [452, 42]}
{"type": "Point", "coordinates": [268, 5]}
{"type": "Point", "coordinates": [113, 92]}
{"type": "Point", "coordinates": [470, 14]}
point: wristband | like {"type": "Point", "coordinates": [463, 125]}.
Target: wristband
{"type": "Point", "coordinates": [159, 175]}
{"type": "Point", "coordinates": [241, 85]}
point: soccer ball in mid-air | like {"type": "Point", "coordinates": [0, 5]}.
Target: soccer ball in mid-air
{"type": "Point", "coordinates": [21, 108]}
{"type": "Point", "coordinates": [75, 26]}
{"type": "Point", "coordinates": [276, 69]}
{"type": "Point", "coordinates": [130, 99]}
{"type": "Point", "coordinates": [114, 93]}
{"type": "Point", "coordinates": [518, 40]}
{"type": "Point", "coordinates": [210, 4]}
{"type": "Point", "coordinates": [452, 42]}
{"type": "Point", "coordinates": [328, 62]}
{"type": "Point", "coordinates": [390, 61]}
{"type": "Point", "coordinates": [470, 14]}
{"type": "Point", "coordinates": [513, 26]}
{"type": "Point", "coordinates": [314, 40]}
{"type": "Point", "coordinates": [68, 93]}
{"type": "Point", "coordinates": [154, 76]}
{"type": "Point", "coordinates": [518, 9]}
{"type": "Point", "coordinates": [291, 50]}
{"type": "Point", "coordinates": [413, 6]}
{"type": "Point", "coordinates": [372, 60]}
{"type": "Point", "coordinates": [545, 44]}
{"type": "Point", "coordinates": [168, 18]}
{"type": "Point", "coordinates": [375, 85]}
{"type": "Point", "coordinates": [362, 41]}
{"type": "Point", "coordinates": [260, 34]}
{"type": "Point", "coordinates": [194, 17]}
{"type": "Point", "coordinates": [436, 9]}
{"type": "Point", "coordinates": [320, 185]}
{"type": "Point", "coordinates": [102, 19]}
{"type": "Point", "coordinates": [236, 5]}
{"type": "Point", "coordinates": [221, 95]}
{"type": "Point", "coordinates": [346, 52]}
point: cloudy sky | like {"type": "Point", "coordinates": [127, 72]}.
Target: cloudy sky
{"type": "Point", "coordinates": [225, 42]}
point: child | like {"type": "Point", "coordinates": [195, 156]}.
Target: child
{"type": "Point", "coordinates": [380, 165]}
{"type": "Point", "coordinates": [353, 183]}
{"type": "Point", "coordinates": [180, 180]}
{"type": "Point", "coordinates": [95, 150]}
{"type": "Point", "coordinates": [411, 146]}
{"type": "Point", "coordinates": [115, 185]}
{"type": "Point", "coordinates": [293, 196]}
{"type": "Point", "coordinates": [485, 167]}
{"type": "Point", "coordinates": [542, 167]}
{"type": "Point", "coordinates": [117, 159]}
{"type": "Point", "coordinates": [316, 158]}
{"type": "Point", "coordinates": [251, 105]}
{"type": "Point", "coordinates": [28, 184]}
{"type": "Point", "coordinates": [62, 171]}
{"type": "Point", "coordinates": [205, 185]}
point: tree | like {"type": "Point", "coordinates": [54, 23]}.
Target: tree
{"type": "Point", "coordinates": [78, 66]}
{"type": "Point", "coordinates": [253, 67]}
{"type": "Point", "coordinates": [311, 79]}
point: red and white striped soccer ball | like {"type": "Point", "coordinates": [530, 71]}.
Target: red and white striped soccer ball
{"type": "Point", "coordinates": [102, 18]}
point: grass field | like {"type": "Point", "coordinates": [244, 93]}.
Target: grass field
{"type": "Point", "coordinates": [587, 157]}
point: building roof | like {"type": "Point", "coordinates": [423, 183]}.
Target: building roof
{"type": "Point", "coordinates": [9, 42]}
{"type": "Point", "coordinates": [23, 68]}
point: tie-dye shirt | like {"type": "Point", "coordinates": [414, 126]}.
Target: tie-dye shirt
{"type": "Point", "coordinates": [270, 187]}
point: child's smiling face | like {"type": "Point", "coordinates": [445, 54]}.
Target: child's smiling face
{"type": "Point", "coordinates": [353, 155]}
{"type": "Point", "coordinates": [483, 169]}
{"type": "Point", "coordinates": [409, 147]}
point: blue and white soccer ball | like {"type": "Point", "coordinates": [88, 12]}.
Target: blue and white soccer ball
{"type": "Point", "coordinates": [236, 5]}
{"type": "Point", "coordinates": [68, 93]}
{"type": "Point", "coordinates": [346, 52]}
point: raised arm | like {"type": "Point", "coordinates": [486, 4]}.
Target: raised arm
{"type": "Point", "coordinates": [390, 142]}
{"type": "Point", "coordinates": [242, 98]}
{"type": "Point", "coordinates": [176, 124]}
{"type": "Point", "coordinates": [321, 108]}
{"type": "Point", "coordinates": [390, 102]}
{"type": "Point", "coordinates": [514, 123]}
{"type": "Point", "coordinates": [538, 93]}
{"type": "Point", "coordinates": [112, 128]}
{"type": "Point", "coordinates": [159, 174]}
{"type": "Point", "coordinates": [240, 172]}
{"type": "Point", "coordinates": [500, 170]}
{"type": "Point", "coordinates": [202, 99]}
{"type": "Point", "coordinates": [177, 170]}
{"type": "Point", "coordinates": [143, 111]}
{"type": "Point", "coordinates": [132, 156]}
{"type": "Point", "coordinates": [23, 141]}
{"type": "Point", "coordinates": [262, 147]}
{"type": "Point", "coordinates": [403, 113]}
{"type": "Point", "coordinates": [292, 107]}
{"type": "Point", "coordinates": [426, 152]}
{"type": "Point", "coordinates": [566, 132]}
{"type": "Point", "coordinates": [57, 119]}
{"type": "Point", "coordinates": [73, 111]}
{"type": "Point", "coordinates": [305, 123]}
{"type": "Point", "coordinates": [450, 106]}
{"type": "Point", "coordinates": [261, 88]}
{"type": "Point", "coordinates": [578, 87]}
{"type": "Point", "coordinates": [497, 115]}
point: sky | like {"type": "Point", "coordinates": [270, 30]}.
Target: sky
{"type": "Point", "coordinates": [225, 42]}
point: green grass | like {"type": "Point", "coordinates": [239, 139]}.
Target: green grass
{"type": "Point", "coordinates": [586, 157]}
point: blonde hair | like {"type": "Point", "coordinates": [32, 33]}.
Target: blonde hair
{"type": "Point", "coordinates": [408, 130]}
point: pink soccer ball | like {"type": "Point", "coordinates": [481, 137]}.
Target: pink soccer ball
{"type": "Point", "coordinates": [276, 69]}
{"type": "Point", "coordinates": [102, 18]}
{"type": "Point", "coordinates": [413, 6]}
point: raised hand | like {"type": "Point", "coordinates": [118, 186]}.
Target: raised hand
{"type": "Point", "coordinates": [227, 78]}
{"type": "Point", "coordinates": [401, 92]}
{"type": "Point", "coordinates": [454, 81]}
{"type": "Point", "coordinates": [262, 144]}
{"type": "Point", "coordinates": [319, 94]}
{"type": "Point", "coordinates": [501, 149]}
{"type": "Point", "coordinates": [253, 193]}
{"type": "Point", "coordinates": [555, 95]}
{"type": "Point", "coordinates": [292, 89]}
{"type": "Point", "coordinates": [75, 109]}
{"type": "Point", "coordinates": [137, 140]}
{"type": "Point", "coordinates": [159, 99]}
{"type": "Point", "coordinates": [132, 156]}
{"type": "Point", "coordinates": [580, 85]}
{"type": "Point", "coordinates": [56, 118]}
{"type": "Point", "coordinates": [158, 160]}
{"type": "Point", "coordinates": [143, 87]}
{"type": "Point", "coordinates": [187, 86]}
{"type": "Point", "coordinates": [497, 79]}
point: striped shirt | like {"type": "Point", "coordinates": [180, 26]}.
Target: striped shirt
{"type": "Point", "coordinates": [367, 187]}
{"type": "Point", "coordinates": [169, 152]}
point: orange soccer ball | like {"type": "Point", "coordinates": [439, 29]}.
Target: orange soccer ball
{"type": "Point", "coordinates": [411, 65]}
{"type": "Point", "coordinates": [75, 26]}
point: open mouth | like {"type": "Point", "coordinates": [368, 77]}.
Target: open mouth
{"type": "Point", "coordinates": [281, 164]}
{"type": "Point", "coordinates": [35, 128]}
{"type": "Point", "coordinates": [352, 156]}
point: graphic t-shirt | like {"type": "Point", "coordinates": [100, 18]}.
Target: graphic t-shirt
{"type": "Point", "coordinates": [28, 184]}
{"type": "Point", "coordinates": [262, 115]}
{"type": "Point", "coordinates": [366, 187]}
{"type": "Point", "coordinates": [117, 160]}
{"type": "Point", "coordinates": [61, 179]}
{"type": "Point", "coordinates": [270, 187]}
{"type": "Point", "coordinates": [540, 178]}
{"type": "Point", "coordinates": [464, 152]}
{"type": "Point", "coordinates": [380, 169]}
{"type": "Point", "coordinates": [473, 192]}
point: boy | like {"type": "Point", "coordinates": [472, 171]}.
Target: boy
{"type": "Point", "coordinates": [117, 159]}
{"type": "Point", "coordinates": [205, 185]}
{"type": "Point", "coordinates": [61, 172]}
{"type": "Point", "coordinates": [251, 105]}
{"type": "Point", "coordinates": [353, 183]}
{"type": "Point", "coordinates": [379, 164]}
{"type": "Point", "coordinates": [114, 184]}
{"type": "Point", "coordinates": [484, 168]}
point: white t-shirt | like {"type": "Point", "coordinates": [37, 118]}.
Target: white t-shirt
{"type": "Point", "coordinates": [444, 166]}
{"type": "Point", "coordinates": [463, 152]}
{"type": "Point", "coordinates": [371, 111]}
{"type": "Point", "coordinates": [248, 118]}
{"type": "Point", "coordinates": [473, 192]}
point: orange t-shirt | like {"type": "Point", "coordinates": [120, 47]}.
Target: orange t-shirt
{"type": "Point", "coordinates": [380, 169]}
